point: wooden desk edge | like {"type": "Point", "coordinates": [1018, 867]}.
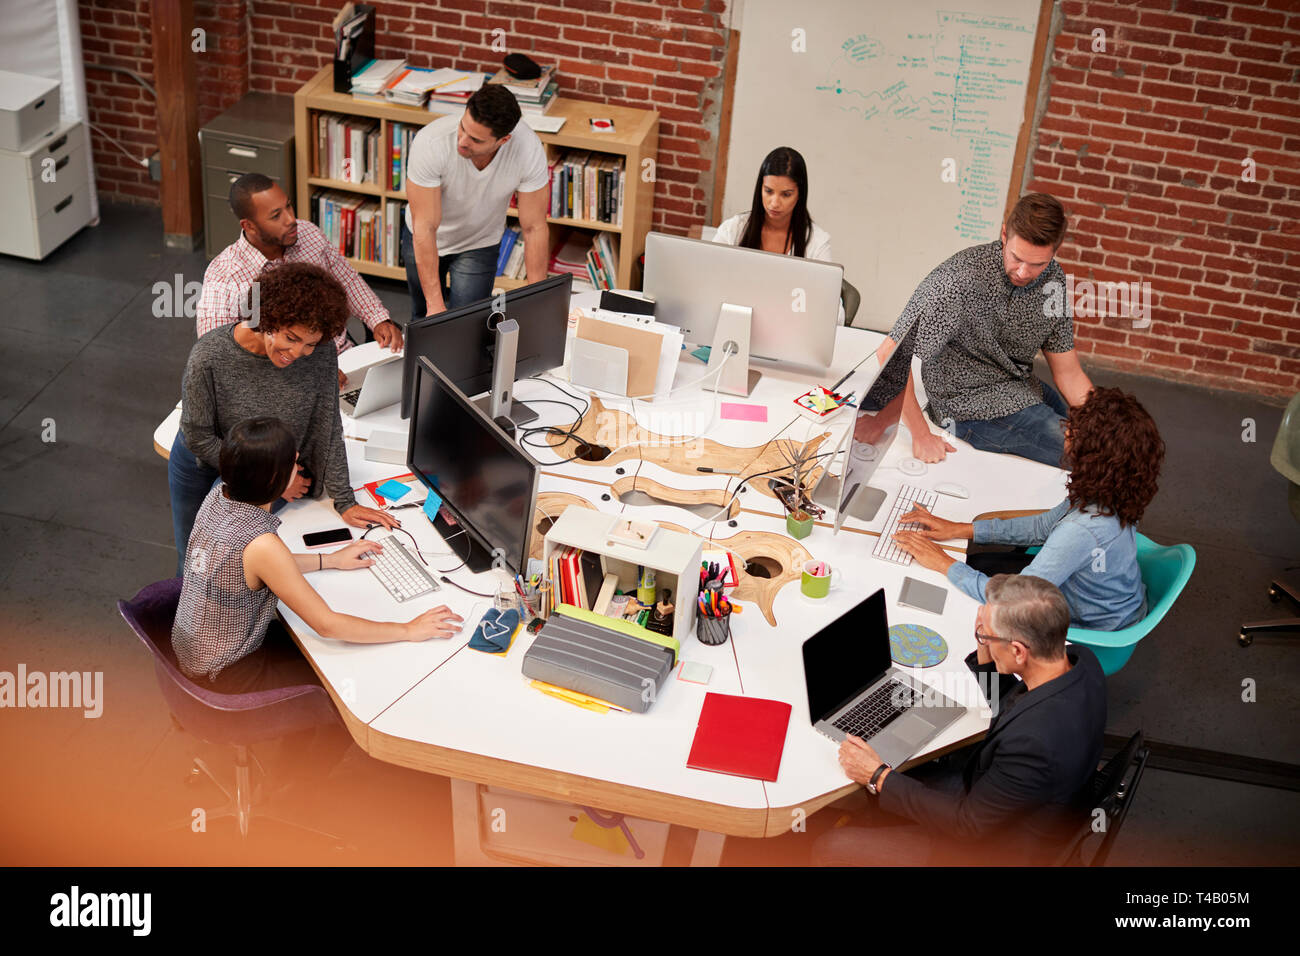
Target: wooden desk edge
{"type": "Point", "coordinates": [558, 785]}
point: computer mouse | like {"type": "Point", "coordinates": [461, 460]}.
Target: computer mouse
{"type": "Point", "coordinates": [952, 488]}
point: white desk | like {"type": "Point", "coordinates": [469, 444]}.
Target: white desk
{"type": "Point", "coordinates": [441, 707]}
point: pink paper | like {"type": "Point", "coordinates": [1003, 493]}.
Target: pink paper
{"type": "Point", "coordinates": [741, 412]}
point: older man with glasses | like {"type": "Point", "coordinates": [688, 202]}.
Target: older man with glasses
{"type": "Point", "coordinates": [1025, 788]}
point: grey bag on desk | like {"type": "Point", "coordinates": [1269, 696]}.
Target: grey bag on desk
{"type": "Point", "coordinates": [599, 661]}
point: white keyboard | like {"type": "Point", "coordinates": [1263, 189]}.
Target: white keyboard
{"type": "Point", "coordinates": [908, 496]}
{"type": "Point", "coordinates": [400, 573]}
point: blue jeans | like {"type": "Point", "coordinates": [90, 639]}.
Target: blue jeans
{"type": "Point", "coordinates": [189, 481]}
{"type": "Point", "coordinates": [472, 273]}
{"type": "Point", "coordinates": [1035, 432]}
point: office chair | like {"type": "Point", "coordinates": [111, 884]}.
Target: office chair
{"type": "Point", "coordinates": [851, 298]}
{"type": "Point", "coordinates": [1113, 789]}
{"type": "Point", "coordinates": [237, 720]}
{"type": "Point", "coordinates": [1285, 459]}
{"type": "Point", "coordinates": [1165, 571]}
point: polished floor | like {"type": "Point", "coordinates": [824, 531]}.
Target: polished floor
{"type": "Point", "coordinates": [96, 342]}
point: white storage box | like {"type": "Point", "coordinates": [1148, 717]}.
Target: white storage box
{"type": "Point", "coordinates": [29, 109]}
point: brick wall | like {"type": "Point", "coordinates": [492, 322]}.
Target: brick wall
{"type": "Point", "coordinates": [117, 33]}
{"type": "Point", "coordinates": [1145, 143]}
{"type": "Point", "coordinates": [666, 55]}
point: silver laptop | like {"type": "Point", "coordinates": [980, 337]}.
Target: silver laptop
{"type": "Point", "coordinates": [854, 687]}
{"type": "Point", "coordinates": [380, 386]}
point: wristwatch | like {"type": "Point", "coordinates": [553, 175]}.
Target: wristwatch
{"type": "Point", "coordinates": [875, 778]}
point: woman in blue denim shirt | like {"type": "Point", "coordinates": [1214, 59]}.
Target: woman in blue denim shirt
{"type": "Point", "coordinates": [1089, 540]}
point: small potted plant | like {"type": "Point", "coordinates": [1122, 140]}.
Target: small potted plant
{"type": "Point", "coordinates": [800, 511]}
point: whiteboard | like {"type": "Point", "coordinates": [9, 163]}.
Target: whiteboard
{"type": "Point", "coordinates": [877, 96]}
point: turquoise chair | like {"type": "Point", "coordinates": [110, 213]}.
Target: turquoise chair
{"type": "Point", "coordinates": [1165, 571]}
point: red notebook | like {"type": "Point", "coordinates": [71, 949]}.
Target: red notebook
{"type": "Point", "coordinates": [742, 736]}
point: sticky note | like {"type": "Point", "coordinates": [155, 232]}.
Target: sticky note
{"type": "Point", "coordinates": [432, 504]}
{"type": "Point", "coordinates": [393, 490]}
{"type": "Point", "coordinates": [741, 412]}
{"type": "Point", "coordinates": [695, 672]}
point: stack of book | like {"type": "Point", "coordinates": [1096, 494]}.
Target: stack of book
{"type": "Point", "coordinates": [586, 185]}
{"type": "Point", "coordinates": [453, 87]}
{"type": "Point", "coordinates": [346, 148]}
{"type": "Point", "coordinates": [369, 82]}
{"type": "Point", "coordinates": [602, 262]}
{"type": "Point", "coordinates": [352, 224]}
{"type": "Point", "coordinates": [535, 96]}
{"type": "Point", "coordinates": [410, 87]}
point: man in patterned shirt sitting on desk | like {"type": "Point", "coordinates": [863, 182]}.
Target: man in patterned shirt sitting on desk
{"type": "Point", "coordinates": [976, 323]}
{"type": "Point", "coordinates": [271, 234]}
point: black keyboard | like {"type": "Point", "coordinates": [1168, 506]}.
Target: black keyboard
{"type": "Point", "coordinates": [351, 397]}
{"type": "Point", "coordinates": [874, 712]}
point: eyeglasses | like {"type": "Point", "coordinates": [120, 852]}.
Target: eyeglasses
{"type": "Point", "coordinates": [982, 638]}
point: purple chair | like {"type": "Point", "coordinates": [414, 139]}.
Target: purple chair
{"type": "Point", "coordinates": [237, 720]}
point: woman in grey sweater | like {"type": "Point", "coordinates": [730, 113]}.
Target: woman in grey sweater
{"type": "Point", "coordinates": [237, 372]}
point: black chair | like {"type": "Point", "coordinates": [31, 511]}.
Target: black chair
{"type": "Point", "coordinates": [1113, 789]}
{"type": "Point", "coordinates": [851, 298]}
{"type": "Point", "coordinates": [236, 720]}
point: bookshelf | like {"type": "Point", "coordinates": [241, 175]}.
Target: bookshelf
{"type": "Point", "coordinates": [674, 556]}
{"type": "Point", "coordinates": [635, 138]}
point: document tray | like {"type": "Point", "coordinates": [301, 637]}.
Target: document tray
{"type": "Point", "coordinates": [572, 652]}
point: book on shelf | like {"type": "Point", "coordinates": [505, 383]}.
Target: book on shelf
{"type": "Point", "coordinates": [590, 186]}
{"type": "Point", "coordinates": [352, 223]}
{"type": "Point", "coordinates": [346, 149]}
{"type": "Point", "coordinates": [395, 212]}
{"type": "Point", "coordinates": [455, 86]}
{"type": "Point", "coordinates": [508, 240]}
{"type": "Point", "coordinates": [399, 152]}
{"type": "Point", "coordinates": [591, 260]}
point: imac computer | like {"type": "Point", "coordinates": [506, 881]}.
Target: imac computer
{"type": "Point", "coordinates": [785, 309]}
{"type": "Point", "coordinates": [487, 345]}
{"type": "Point", "coordinates": [486, 481]}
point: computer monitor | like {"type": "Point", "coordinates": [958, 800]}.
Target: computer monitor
{"type": "Point", "coordinates": [486, 481]}
{"type": "Point", "coordinates": [795, 302]}
{"type": "Point", "coordinates": [462, 342]}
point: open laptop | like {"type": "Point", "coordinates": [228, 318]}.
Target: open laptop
{"type": "Point", "coordinates": [372, 385]}
{"type": "Point", "coordinates": [854, 687]}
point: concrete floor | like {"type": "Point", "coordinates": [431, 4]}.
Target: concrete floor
{"type": "Point", "coordinates": [86, 521]}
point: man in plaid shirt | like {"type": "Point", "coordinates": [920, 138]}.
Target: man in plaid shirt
{"type": "Point", "coordinates": [271, 235]}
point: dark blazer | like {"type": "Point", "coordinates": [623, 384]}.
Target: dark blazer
{"type": "Point", "coordinates": [1026, 785]}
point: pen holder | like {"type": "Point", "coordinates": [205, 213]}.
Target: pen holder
{"type": "Point", "coordinates": [712, 630]}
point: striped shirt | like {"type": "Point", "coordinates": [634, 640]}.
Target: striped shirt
{"type": "Point", "coordinates": [219, 619]}
{"type": "Point", "coordinates": [232, 272]}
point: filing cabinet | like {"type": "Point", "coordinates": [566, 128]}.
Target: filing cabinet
{"type": "Point", "coordinates": [44, 192]}
{"type": "Point", "coordinates": [253, 136]}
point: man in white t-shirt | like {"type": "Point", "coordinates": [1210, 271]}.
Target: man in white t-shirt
{"type": "Point", "coordinates": [459, 182]}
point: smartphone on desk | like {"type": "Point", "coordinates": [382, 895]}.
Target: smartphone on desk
{"type": "Point", "coordinates": [320, 539]}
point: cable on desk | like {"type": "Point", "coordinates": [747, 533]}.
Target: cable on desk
{"type": "Point", "coordinates": [566, 434]}
{"type": "Point", "coordinates": [746, 480]}
{"type": "Point", "coordinates": [682, 441]}
{"type": "Point", "coordinates": [468, 551]}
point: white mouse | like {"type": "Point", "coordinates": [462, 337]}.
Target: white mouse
{"type": "Point", "coordinates": [952, 488]}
